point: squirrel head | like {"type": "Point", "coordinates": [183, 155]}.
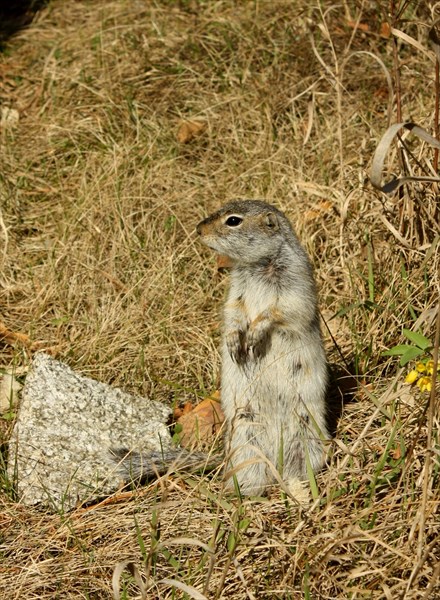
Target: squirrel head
{"type": "Point", "coordinates": [246, 231]}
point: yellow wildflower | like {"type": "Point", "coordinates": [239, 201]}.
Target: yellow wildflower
{"type": "Point", "coordinates": [430, 367]}
{"type": "Point", "coordinates": [411, 377]}
{"type": "Point", "coordinates": [420, 367]}
{"type": "Point", "coordinates": [424, 384]}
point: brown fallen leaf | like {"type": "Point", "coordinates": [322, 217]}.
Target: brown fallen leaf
{"type": "Point", "coordinates": [312, 215]}
{"type": "Point", "coordinates": [324, 206]}
{"type": "Point", "coordinates": [384, 30]}
{"type": "Point", "coordinates": [396, 453]}
{"type": "Point", "coordinates": [188, 130]}
{"type": "Point", "coordinates": [201, 425]}
{"type": "Point", "coordinates": [11, 337]}
{"type": "Point", "coordinates": [179, 411]}
{"type": "Point", "coordinates": [356, 25]}
{"type": "Point", "coordinates": [381, 92]}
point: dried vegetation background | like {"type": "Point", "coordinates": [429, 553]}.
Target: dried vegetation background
{"type": "Point", "coordinates": [100, 191]}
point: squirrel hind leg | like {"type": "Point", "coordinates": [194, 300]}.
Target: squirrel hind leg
{"type": "Point", "coordinates": [299, 490]}
{"type": "Point", "coordinates": [250, 473]}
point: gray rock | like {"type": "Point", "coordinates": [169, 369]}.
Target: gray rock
{"type": "Point", "coordinates": [60, 448]}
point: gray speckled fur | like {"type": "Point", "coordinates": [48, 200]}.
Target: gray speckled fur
{"type": "Point", "coordinates": [135, 465]}
{"type": "Point", "coordinates": [60, 448]}
{"type": "Point", "coordinates": [274, 369]}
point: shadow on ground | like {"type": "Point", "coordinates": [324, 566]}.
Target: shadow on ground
{"type": "Point", "coordinates": [16, 15]}
{"type": "Point", "coordinates": [342, 389]}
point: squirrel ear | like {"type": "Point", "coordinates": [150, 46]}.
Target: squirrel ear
{"type": "Point", "coordinates": [271, 221]}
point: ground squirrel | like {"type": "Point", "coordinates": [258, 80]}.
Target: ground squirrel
{"type": "Point", "coordinates": [274, 368]}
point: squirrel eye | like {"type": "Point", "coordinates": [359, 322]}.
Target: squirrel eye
{"type": "Point", "coordinates": [233, 221]}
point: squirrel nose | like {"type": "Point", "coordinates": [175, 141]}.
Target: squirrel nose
{"type": "Point", "coordinates": [199, 229]}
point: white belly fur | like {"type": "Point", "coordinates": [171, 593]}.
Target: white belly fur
{"type": "Point", "coordinates": [267, 403]}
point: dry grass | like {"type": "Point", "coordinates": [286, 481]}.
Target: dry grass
{"type": "Point", "coordinates": [100, 264]}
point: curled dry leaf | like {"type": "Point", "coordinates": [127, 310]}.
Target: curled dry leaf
{"type": "Point", "coordinates": [188, 130]}
{"type": "Point", "coordinates": [201, 425]}
{"type": "Point", "coordinates": [381, 153]}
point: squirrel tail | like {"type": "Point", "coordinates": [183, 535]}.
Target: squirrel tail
{"type": "Point", "coordinates": [141, 466]}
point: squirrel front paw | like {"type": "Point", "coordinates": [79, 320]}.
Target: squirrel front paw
{"type": "Point", "coordinates": [258, 338]}
{"type": "Point", "coordinates": [237, 347]}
